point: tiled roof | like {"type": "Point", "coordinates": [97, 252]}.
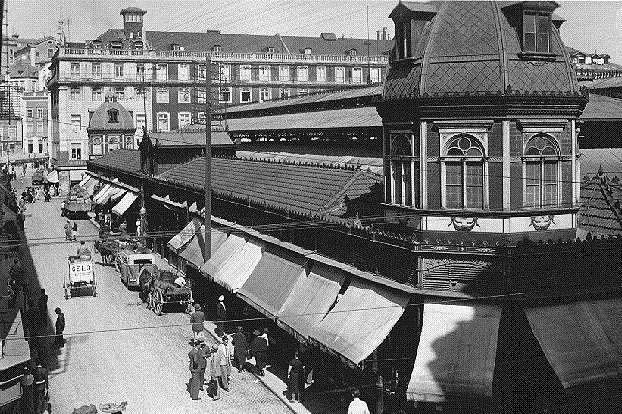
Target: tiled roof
{"type": "Point", "coordinates": [466, 48]}
{"type": "Point", "coordinates": [596, 215]}
{"type": "Point", "coordinates": [362, 117]}
{"type": "Point", "coordinates": [191, 138]}
{"type": "Point", "coordinates": [364, 163]}
{"type": "Point", "coordinates": [21, 69]}
{"type": "Point", "coordinates": [610, 159]}
{"type": "Point", "coordinates": [615, 82]}
{"type": "Point", "coordinates": [601, 107]}
{"type": "Point", "coordinates": [122, 160]}
{"type": "Point", "coordinates": [294, 188]}
{"type": "Point", "coordinates": [246, 43]}
{"type": "Point", "coordinates": [305, 100]}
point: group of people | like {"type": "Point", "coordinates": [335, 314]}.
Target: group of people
{"type": "Point", "coordinates": [34, 383]}
{"type": "Point", "coordinates": [71, 230]}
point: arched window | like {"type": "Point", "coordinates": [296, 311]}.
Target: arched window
{"type": "Point", "coordinates": [403, 158]}
{"type": "Point", "coordinates": [464, 173]}
{"type": "Point", "coordinates": [541, 172]}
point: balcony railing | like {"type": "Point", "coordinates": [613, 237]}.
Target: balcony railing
{"type": "Point", "coordinates": [181, 55]}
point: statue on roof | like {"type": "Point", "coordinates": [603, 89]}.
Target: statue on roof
{"type": "Point", "coordinates": [147, 153]}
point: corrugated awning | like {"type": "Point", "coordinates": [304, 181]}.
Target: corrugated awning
{"type": "Point", "coordinates": [227, 249]}
{"type": "Point", "coordinates": [361, 117]}
{"type": "Point", "coordinates": [310, 299]}
{"type": "Point", "coordinates": [234, 273]}
{"type": "Point", "coordinates": [360, 320]}
{"type": "Point", "coordinates": [121, 207]}
{"type": "Point", "coordinates": [185, 235]}
{"type": "Point", "coordinates": [456, 352]}
{"type": "Point", "coordinates": [271, 282]}
{"type": "Point", "coordinates": [582, 340]}
{"type": "Point", "coordinates": [193, 251]}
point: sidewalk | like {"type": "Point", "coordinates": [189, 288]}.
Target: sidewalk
{"type": "Point", "coordinates": [271, 381]}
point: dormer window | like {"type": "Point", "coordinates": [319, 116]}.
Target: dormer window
{"type": "Point", "coordinates": [404, 40]}
{"type": "Point", "coordinates": [352, 52]}
{"type": "Point", "coordinates": [113, 116]}
{"type": "Point", "coordinates": [270, 50]}
{"type": "Point", "coordinates": [307, 50]}
{"type": "Point", "coordinates": [216, 48]}
{"type": "Point", "coordinates": [536, 32]}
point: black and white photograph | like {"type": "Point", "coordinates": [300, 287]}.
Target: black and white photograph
{"type": "Point", "coordinates": [310, 207]}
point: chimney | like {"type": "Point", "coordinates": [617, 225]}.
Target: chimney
{"type": "Point", "coordinates": [384, 33]}
{"type": "Point", "coordinates": [377, 34]}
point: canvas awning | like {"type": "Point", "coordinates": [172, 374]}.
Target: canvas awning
{"type": "Point", "coordinates": [456, 352]}
{"type": "Point", "coordinates": [184, 236]}
{"type": "Point", "coordinates": [235, 271]}
{"type": "Point", "coordinates": [85, 178]}
{"type": "Point", "coordinates": [76, 175]}
{"type": "Point", "coordinates": [121, 207]}
{"type": "Point", "coordinates": [113, 193]}
{"type": "Point", "coordinates": [360, 320]}
{"type": "Point", "coordinates": [273, 279]}
{"type": "Point", "coordinates": [582, 340]}
{"type": "Point", "coordinates": [90, 185]}
{"type": "Point", "coordinates": [53, 177]}
{"type": "Point", "coordinates": [102, 191]}
{"type": "Point", "coordinates": [16, 350]}
{"type": "Point", "coordinates": [227, 249]}
{"type": "Point", "coordinates": [310, 299]}
{"type": "Point", "coordinates": [193, 250]}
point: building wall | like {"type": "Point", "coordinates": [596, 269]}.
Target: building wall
{"type": "Point", "coordinates": [35, 116]}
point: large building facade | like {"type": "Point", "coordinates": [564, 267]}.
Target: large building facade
{"type": "Point", "coordinates": [160, 76]}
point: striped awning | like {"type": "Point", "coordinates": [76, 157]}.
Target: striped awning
{"type": "Point", "coordinates": [121, 207]}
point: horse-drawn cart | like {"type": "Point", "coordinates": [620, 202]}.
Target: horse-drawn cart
{"type": "Point", "coordinates": [81, 275]}
{"type": "Point", "coordinates": [161, 287]}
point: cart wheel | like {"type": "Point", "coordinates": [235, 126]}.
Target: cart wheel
{"type": "Point", "coordinates": [159, 304]}
{"type": "Point", "coordinates": [94, 291]}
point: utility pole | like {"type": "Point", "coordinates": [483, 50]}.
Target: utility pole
{"type": "Point", "coordinates": [207, 251]}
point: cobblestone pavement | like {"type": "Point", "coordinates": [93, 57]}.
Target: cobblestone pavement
{"type": "Point", "coordinates": [116, 349]}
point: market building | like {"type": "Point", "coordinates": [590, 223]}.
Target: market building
{"type": "Point", "coordinates": [159, 76]}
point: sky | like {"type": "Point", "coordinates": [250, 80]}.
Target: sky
{"type": "Point", "coordinates": [590, 25]}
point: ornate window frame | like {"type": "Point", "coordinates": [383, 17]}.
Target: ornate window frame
{"type": "Point", "coordinates": [542, 159]}
{"type": "Point", "coordinates": [398, 158]}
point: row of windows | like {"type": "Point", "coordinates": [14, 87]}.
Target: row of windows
{"type": "Point", "coordinates": [464, 172]}
{"type": "Point", "coordinates": [183, 119]}
{"type": "Point", "coordinates": [40, 112]}
{"type": "Point", "coordinates": [245, 73]}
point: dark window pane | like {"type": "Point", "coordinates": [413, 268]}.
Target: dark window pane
{"type": "Point", "coordinates": [475, 185]}
{"type": "Point", "coordinates": [397, 182]}
{"type": "Point", "coordinates": [530, 42]}
{"type": "Point", "coordinates": [454, 196]}
{"type": "Point", "coordinates": [543, 43]}
{"type": "Point", "coordinates": [407, 184]}
{"type": "Point", "coordinates": [454, 173]}
{"type": "Point", "coordinates": [453, 185]}
{"type": "Point", "coordinates": [529, 23]}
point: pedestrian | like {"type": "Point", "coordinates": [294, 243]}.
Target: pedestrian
{"type": "Point", "coordinates": [294, 372]}
{"type": "Point", "coordinates": [195, 372]}
{"type": "Point", "coordinates": [203, 356]}
{"type": "Point", "coordinates": [214, 367]}
{"type": "Point", "coordinates": [221, 313]}
{"type": "Point", "coordinates": [41, 388]}
{"type": "Point", "coordinates": [357, 406]}
{"type": "Point", "coordinates": [74, 232]}
{"type": "Point", "coordinates": [259, 349]}
{"type": "Point", "coordinates": [68, 230]}
{"type": "Point", "coordinates": [60, 327]}
{"type": "Point", "coordinates": [197, 319]}
{"type": "Point", "coordinates": [83, 251]}
{"type": "Point", "coordinates": [225, 363]}
{"type": "Point", "coordinates": [240, 349]}
{"type": "Point", "coordinates": [27, 400]}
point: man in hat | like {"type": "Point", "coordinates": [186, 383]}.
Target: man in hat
{"type": "Point", "coordinates": [41, 388]}
{"type": "Point", "coordinates": [240, 349]}
{"type": "Point", "coordinates": [197, 319]}
{"type": "Point", "coordinates": [60, 327]}
{"type": "Point", "coordinates": [259, 349]}
{"type": "Point", "coordinates": [214, 367]}
{"type": "Point", "coordinates": [225, 362]}
{"type": "Point", "coordinates": [195, 370]}
{"type": "Point", "coordinates": [27, 400]}
{"type": "Point", "coordinates": [221, 313]}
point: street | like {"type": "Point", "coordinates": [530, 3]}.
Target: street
{"type": "Point", "coordinates": [116, 350]}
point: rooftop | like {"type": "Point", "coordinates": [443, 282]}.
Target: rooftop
{"type": "Point", "coordinates": [191, 137]}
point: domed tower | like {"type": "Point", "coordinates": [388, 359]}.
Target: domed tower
{"type": "Point", "coordinates": [479, 110]}
{"type": "Point", "coordinates": [111, 127]}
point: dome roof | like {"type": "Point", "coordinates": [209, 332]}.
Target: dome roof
{"type": "Point", "coordinates": [111, 116]}
{"type": "Point", "coordinates": [462, 48]}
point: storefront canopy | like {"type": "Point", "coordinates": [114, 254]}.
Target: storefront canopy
{"type": "Point", "coordinates": [234, 273]}
{"type": "Point", "coordinates": [456, 352]}
{"type": "Point", "coordinates": [90, 185]}
{"type": "Point", "coordinates": [273, 279]}
{"type": "Point", "coordinates": [193, 250]}
{"type": "Point", "coordinates": [53, 177]}
{"type": "Point", "coordinates": [81, 183]}
{"type": "Point", "coordinates": [121, 207]}
{"type": "Point", "coordinates": [101, 193]}
{"type": "Point", "coordinates": [227, 249]}
{"type": "Point", "coordinates": [360, 320]}
{"type": "Point", "coordinates": [113, 193]}
{"type": "Point", "coordinates": [310, 300]}
{"type": "Point", "coordinates": [582, 340]}
{"type": "Point", "coordinates": [167, 202]}
{"type": "Point", "coordinates": [184, 236]}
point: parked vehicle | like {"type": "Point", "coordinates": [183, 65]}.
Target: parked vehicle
{"type": "Point", "coordinates": [81, 275]}
{"type": "Point", "coordinates": [160, 287]}
{"type": "Point", "coordinates": [77, 203]}
{"type": "Point", "coordinates": [129, 263]}
{"type": "Point", "coordinates": [38, 177]}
